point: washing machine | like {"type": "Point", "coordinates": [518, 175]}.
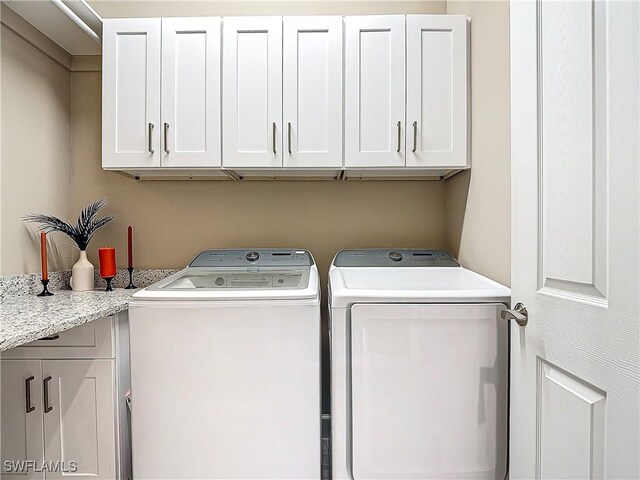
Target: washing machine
{"type": "Point", "coordinates": [225, 369]}
{"type": "Point", "coordinates": [419, 368]}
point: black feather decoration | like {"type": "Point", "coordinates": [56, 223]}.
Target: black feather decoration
{"type": "Point", "coordinates": [84, 229]}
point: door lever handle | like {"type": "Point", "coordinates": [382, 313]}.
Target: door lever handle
{"type": "Point", "coordinates": [518, 313]}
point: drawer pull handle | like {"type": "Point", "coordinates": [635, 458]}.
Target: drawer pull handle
{"type": "Point", "coordinates": [47, 407]}
{"type": "Point", "coordinates": [51, 337]}
{"type": "Point", "coordinates": [27, 391]}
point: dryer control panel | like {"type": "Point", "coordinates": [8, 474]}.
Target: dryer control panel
{"type": "Point", "coordinates": [395, 258]}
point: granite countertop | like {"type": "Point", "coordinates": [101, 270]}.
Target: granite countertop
{"type": "Point", "coordinates": [24, 319]}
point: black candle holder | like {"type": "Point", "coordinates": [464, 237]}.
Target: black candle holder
{"type": "Point", "coordinates": [131, 285]}
{"type": "Point", "coordinates": [45, 292]}
{"type": "Point", "coordinates": [108, 280]}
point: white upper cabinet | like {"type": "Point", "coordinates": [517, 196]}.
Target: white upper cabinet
{"type": "Point", "coordinates": [190, 92]}
{"type": "Point", "coordinates": [252, 92]}
{"type": "Point", "coordinates": [239, 97]}
{"type": "Point", "coordinates": [131, 93]}
{"type": "Point", "coordinates": [437, 103]}
{"type": "Point", "coordinates": [312, 104]}
{"type": "Point", "coordinates": [375, 91]}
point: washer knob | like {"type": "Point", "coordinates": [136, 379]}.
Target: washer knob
{"type": "Point", "coordinates": [252, 256]}
{"type": "Point", "coordinates": [219, 281]}
{"type": "Point", "coordinates": [395, 256]}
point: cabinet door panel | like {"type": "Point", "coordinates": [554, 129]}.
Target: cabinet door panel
{"type": "Point", "coordinates": [252, 92]}
{"type": "Point", "coordinates": [21, 430]}
{"type": "Point", "coordinates": [375, 91]}
{"type": "Point", "coordinates": [437, 91]}
{"type": "Point", "coordinates": [191, 92]}
{"type": "Point", "coordinates": [131, 93]}
{"type": "Point", "coordinates": [312, 102]}
{"type": "Point", "coordinates": [80, 427]}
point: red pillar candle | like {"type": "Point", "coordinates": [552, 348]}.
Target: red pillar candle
{"type": "Point", "coordinates": [43, 255]}
{"type": "Point", "coordinates": [130, 246]}
{"type": "Point", "coordinates": [107, 262]}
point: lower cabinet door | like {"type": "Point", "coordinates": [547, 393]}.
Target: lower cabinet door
{"type": "Point", "coordinates": [22, 452]}
{"type": "Point", "coordinates": [78, 406]}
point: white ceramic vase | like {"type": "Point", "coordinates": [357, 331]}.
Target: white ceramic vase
{"type": "Point", "coordinates": [82, 274]}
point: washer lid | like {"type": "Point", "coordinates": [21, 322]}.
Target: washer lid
{"type": "Point", "coordinates": [240, 275]}
{"type": "Point", "coordinates": [350, 285]}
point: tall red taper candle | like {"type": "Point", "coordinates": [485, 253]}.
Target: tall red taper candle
{"type": "Point", "coordinates": [130, 246]}
{"type": "Point", "coordinates": [43, 255]}
{"type": "Point", "coordinates": [107, 262]}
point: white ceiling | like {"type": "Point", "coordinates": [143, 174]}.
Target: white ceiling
{"type": "Point", "coordinates": [49, 18]}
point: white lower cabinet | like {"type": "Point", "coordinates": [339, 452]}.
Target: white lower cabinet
{"type": "Point", "coordinates": [78, 417]}
{"type": "Point", "coordinates": [22, 432]}
{"type": "Point", "coordinates": [63, 417]}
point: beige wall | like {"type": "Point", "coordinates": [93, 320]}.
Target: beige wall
{"type": "Point", "coordinates": [478, 202]}
{"type": "Point", "coordinates": [183, 8]}
{"type": "Point", "coordinates": [35, 153]}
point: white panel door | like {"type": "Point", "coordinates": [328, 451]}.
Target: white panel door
{"type": "Point", "coordinates": [429, 388]}
{"type": "Point", "coordinates": [21, 419]}
{"type": "Point", "coordinates": [437, 112]}
{"type": "Point", "coordinates": [78, 417]}
{"type": "Point", "coordinates": [312, 103]}
{"type": "Point", "coordinates": [374, 112]}
{"type": "Point", "coordinates": [191, 92]}
{"type": "Point", "coordinates": [252, 92]}
{"type": "Point", "coordinates": [575, 367]}
{"type": "Point", "coordinates": [131, 93]}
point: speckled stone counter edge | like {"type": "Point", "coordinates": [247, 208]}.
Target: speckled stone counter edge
{"type": "Point", "coordinates": [29, 284]}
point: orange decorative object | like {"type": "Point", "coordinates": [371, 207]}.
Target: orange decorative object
{"type": "Point", "coordinates": [43, 255]}
{"type": "Point", "coordinates": [107, 262]}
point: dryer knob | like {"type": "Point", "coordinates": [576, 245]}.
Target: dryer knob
{"type": "Point", "coordinates": [252, 256]}
{"type": "Point", "coordinates": [395, 256]}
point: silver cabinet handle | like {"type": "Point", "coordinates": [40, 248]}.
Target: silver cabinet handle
{"type": "Point", "coordinates": [289, 130]}
{"type": "Point", "coordinates": [519, 314]}
{"type": "Point", "coordinates": [27, 394]}
{"type": "Point", "coordinates": [47, 407]}
{"type": "Point", "coordinates": [151, 138]}
{"type": "Point", "coordinates": [166, 137]}
{"type": "Point", "coordinates": [399, 128]}
{"type": "Point", "coordinates": [415, 136]}
{"type": "Point", "coordinates": [274, 137]}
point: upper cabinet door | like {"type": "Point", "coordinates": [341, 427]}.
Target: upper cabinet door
{"type": "Point", "coordinates": [252, 92]}
{"type": "Point", "coordinates": [312, 105]}
{"type": "Point", "coordinates": [131, 93]}
{"type": "Point", "coordinates": [190, 92]}
{"type": "Point", "coordinates": [437, 113]}
{"type": "Point", "coordinates": [375, 91]}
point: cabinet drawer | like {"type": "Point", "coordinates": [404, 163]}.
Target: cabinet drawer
{"type": "Point", "coordinates": [91, 340]}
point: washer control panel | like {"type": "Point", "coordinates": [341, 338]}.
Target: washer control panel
{"type": "Point", "coordinates": [258, 257]}
{"type": "Point", "coordinates": [395, 258]}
